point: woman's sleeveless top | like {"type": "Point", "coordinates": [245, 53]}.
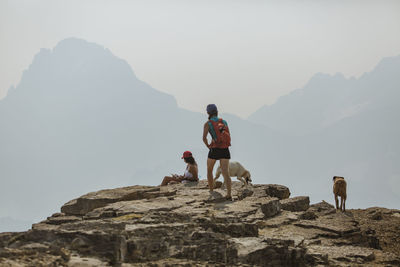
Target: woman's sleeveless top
{"type": "Point", "coordinates": [188, 174]}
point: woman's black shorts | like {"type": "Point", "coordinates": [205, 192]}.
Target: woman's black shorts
{"type": "Point", "coordinates": [219, 153]}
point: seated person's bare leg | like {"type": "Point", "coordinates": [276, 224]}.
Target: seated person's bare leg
{"type": "Point", "coordinates": [168, 179]}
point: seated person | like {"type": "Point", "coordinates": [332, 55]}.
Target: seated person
{"type": "Point", "coordinates": [191, 172]}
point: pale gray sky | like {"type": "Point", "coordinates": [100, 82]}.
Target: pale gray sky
{"type": "Point", "coordinates": [237, 54]}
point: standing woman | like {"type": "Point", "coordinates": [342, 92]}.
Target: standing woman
{"type": "Point", "coordinates": [219, 148]}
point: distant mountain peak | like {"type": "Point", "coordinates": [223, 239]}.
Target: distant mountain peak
{"type": "Point", "coordinates": [388, 60]}
{"type": "Point", "coordinates": [78, 69]}
{"type": "Point", "coordinates": [320, 77]}
{"type": "Point", "coordinates": [74, 59]}
{"type": "Point", "coordinates": [327, 99]}
{"type": "Point", "coordinates": [77, 44]}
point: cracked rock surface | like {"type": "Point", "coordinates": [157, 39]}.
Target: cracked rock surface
{"type": "Point", "coordinates": [183, 225]}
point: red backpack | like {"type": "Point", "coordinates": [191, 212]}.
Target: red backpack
{"type": "Point", "coordinates": [221, 136]}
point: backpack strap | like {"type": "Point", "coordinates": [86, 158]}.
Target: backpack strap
{"type": "Point", "coordinates": [212, 130]}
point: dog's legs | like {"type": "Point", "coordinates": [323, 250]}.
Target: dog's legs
{"type": "Point", "coordinates": [217, 175]}
{"type": "Point", "coordinates": [242, 180]}
{"type": "Point", "coordinates": [336, 201]}
{"type": "Point", "coordinates": [344, 203]}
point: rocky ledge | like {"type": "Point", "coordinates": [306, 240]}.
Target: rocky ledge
{"type": "Point", "coordinates": [182, 225]}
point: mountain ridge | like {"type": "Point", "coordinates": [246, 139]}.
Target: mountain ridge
{"type": "Point", "coordinates": [322, 100]}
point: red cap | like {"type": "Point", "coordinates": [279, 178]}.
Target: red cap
{"type": "Point", "coordinates": [187, 154]}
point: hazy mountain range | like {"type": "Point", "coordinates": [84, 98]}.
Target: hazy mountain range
{"type": "Point", "coordinates": [327, 100]}
{"type": "Point", "coordinates": [80, 120]}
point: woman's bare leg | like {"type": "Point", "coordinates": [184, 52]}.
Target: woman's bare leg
{"type": "Point", "coordinates": [227, 179]}
{"type": "Point", "coordinates": [210, 177]}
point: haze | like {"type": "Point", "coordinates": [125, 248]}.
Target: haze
{"type": "Point", "coordinates": [240, 54]}
{"type": "Point", "coordinates": [103, 94]}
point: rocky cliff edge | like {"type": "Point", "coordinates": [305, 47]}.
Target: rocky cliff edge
{"type": "Point", "coordinates": [180, 225]}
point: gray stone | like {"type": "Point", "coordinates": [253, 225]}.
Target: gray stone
{"type": "Point", "coordinates": [242, 194]}
{"type": "Point", "coordinates": [283, 218]}
{"type": "Point", "coordinates": [35, 246]}
{"type": "Point", "coordinates": [62, 219]}
{"type": "Point", "coordinates": [271, 207]}
{"type": "Point", "coordinates": [344, 253]}
{"type": "Point", "coordinates": [236, 229]}
{"type": "Point", "coordinates": [308, 215]}
{"type": "Point", "coordinates": [377, 216]}
{"type": "Point", "coordinates": [178, 225]}
{"type": "Point", "coordinates": [266, 252]}
{"type": "Point", "coordinates": [338, 223]}
{"type": "Point", "coordinates": [322, 208]}
{"type": "Point", "coordinates": [77, 261]}
{"type": "Point", "coordinates": [279, 191]}
{"type": "Point", "coordinates": [91, 201]}
{"type": "Point", "coordinates": [296, 203]}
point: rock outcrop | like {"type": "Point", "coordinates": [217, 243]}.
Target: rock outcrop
{"type": "Point", "coordinates": [184, 225]}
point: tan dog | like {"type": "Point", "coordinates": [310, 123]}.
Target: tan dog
{"type": "Point", "coordinates": [339, 189]}
{"type": "Point", "coordinates": [236, 169]}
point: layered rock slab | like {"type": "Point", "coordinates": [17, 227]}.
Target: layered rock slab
{"type": "Point", "coordinates": [296, 203]}
{"type": "Point", "coordinates": [183, 225]}
{"type": "Point", "coordinates": [91, 201]}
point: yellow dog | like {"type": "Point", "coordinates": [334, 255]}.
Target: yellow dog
{"type": "Point", "coordinates": [339, 189]}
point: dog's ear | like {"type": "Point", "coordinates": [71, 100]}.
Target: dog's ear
{"type": "Point", "coordinates": [248, 175]}
{"type": "Point", "coordinates": [334, 177]}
